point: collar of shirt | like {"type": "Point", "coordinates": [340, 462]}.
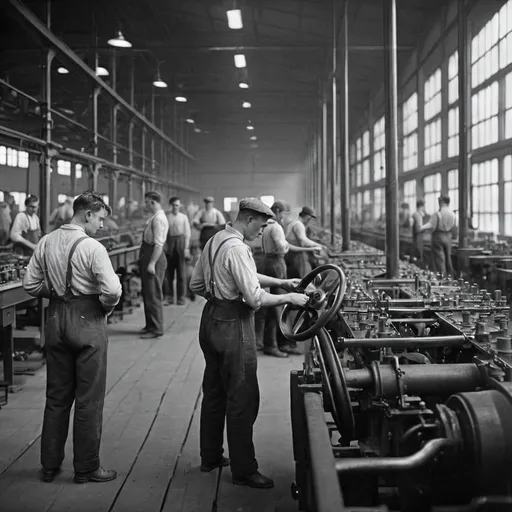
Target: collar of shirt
{"type": "Point", "coordinates": [73, 227]}
{"type": "Point", "coordinates": [230, 229]}
{"type": "Point", "coordinates": [271, 221]}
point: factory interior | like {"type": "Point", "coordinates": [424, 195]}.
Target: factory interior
{"type": "Point", "coordinates": [357, 129]}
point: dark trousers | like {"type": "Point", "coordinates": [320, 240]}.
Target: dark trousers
{"type": "Point", "coordinates": [417, 249]}
{"type": "Point", "coordinates": [267, 319]}
{"type": "Point", "coordinates": [297, 264]}
{"type": "Point", "coordinates": [230, 384]}
{"type": "Point", "coordinates": [76, 366]}
{"type": "Point", "coordinates": [175, 255]}
{"type": "Point", "coordinates": [442, 252]}
{"type": "Point", "coordinates": [152, 289]}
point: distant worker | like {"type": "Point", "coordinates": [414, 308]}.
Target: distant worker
{"type": "Point", "coordinates": [419, 218]}
{"type": "Point", "coordinates": [152, 266]}
{"type": "Point", "coordinates": [226, 276]}
{"type": "Point", "coordinates": [442, 223]}
{"type": "Point", "coordinates": [26, 229]}
{"type": "Point", "coordinates": [177, 252]}
{"type": "Point", "coordinates": [275, 247]}
{"type": "Point", "coordinates": [5, 222]}
{"type": "Point", "coordinates": [208, 221]}
{"type": "Point", "coordinates": [62, 214]}
{"type": "Point", "coordinates": [75, 272]}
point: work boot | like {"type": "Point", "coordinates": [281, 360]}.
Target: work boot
{"type": "Point", "coordinates": [169, 301]}
{"type": "Point", "coordinates": [290, 350]}
{"type": "Point", "coordinates": [273, 351]}
{"type": "Point", "coordinates": [224, 461]}
{"type": "Point", "coordinates": [256, 481]}
{"type": "Point", "coordinates": [48, 475]}
{"type": "Point", "coordinates": [100, 475]}
{"type": "Point", "coordinates": [181, 302]}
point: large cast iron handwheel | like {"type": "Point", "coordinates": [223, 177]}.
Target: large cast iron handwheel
{"type": "Point", "coordinates": [335, 385]}
{"type": "Point", "coordinates": [301, 324]}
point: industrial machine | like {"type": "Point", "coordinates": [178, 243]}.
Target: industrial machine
{"type": "Point", "coordinates": [404, 402]}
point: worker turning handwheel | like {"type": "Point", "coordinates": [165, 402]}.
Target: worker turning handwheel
{"type": "Point", "coordinates": [226, 276]}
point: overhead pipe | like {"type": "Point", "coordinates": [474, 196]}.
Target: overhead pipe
{"type": "Point", "coordinates": [402, 342]}
{"type": "Point", "coordinates": [70, 56]}
{"type": "Point", "coordinates": [345, 136]}
{"type": "Point", "coordinates": [464, 106]}
{"type": "Point", "coordinates": [391, 113]}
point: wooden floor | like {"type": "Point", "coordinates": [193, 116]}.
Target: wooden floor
{"type": "Point", "coordinates": [150, 433]}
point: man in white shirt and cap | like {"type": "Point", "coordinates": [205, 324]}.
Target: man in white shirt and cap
{"type": "Point", "coordinates": [208, 221]}
{"type": "Point", "coordinates": [75, 272]}
{"type": "Point", "coordinates": [226, 276]}
{"type": "Point", "coordinates": [26, 229]}
{"type": "Point", "coordinates": [152, 266]}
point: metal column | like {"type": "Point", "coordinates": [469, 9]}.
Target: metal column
{"type": "Point", "coordinates": [114, 108]}
{"type": "Point", "coordinates": [324, 158]}
{"type": "Point", "coordinates": [334, 167]}
{"type": "Point", "coordinates": [345, 164]}
{"type": "Point", "coordinates": [464, 103]}
{"type": "Point", "coordinates": [391, 105]}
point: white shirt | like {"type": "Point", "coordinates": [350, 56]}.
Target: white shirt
{"type": "Point", "coordinates": [212, 216]}
{"type": "Point", "coordinates": [235, 270]}
{"type": "Point", "coordinates": [92, 269]}
{"type": "Point", "coordinates": [23, 223]}
{"type": "Point", "coordinates": [155, 232]}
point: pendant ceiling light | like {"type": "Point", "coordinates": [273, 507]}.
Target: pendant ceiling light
{"type": "Point", "coordinates": [119, 41]}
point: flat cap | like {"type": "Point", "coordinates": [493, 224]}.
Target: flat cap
{"type": "Point", "coordinates": [280, 205]}
{"type": "Point", "coordinates": [256, 205]}
{"type": "Point", "coordinates": [307, 210]}
{"type": "Point", "coordinates": [209, 199]}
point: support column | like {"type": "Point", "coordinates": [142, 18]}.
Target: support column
{"type": "Point", "coordinates": [324, 160]}
{"type": "Point", "coordinates": [130, 189]}
{"type": "Point", "coordinates": [334, 167]}
{"type": "Point", "coordinates": [112, 189]}
{"type": "Point", "coordinates": [391, 106]}
{"type": "Point", "coordinates": [113, 124]}
{"type": "Point", "coordinates": [153, 161]}
{"type": "Point", "coordinates": [345, 150]}
{"type": "Point", "coordinates": [132, 103]}
{"type": "Point", "coordinates": [464, 105]}
{"type": "Point", "coordinates": [94, 171]}
{"type": "Point", "coordinates": [143, 143]}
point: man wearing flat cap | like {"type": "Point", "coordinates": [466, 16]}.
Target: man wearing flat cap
{"type": "Point", "coordinates": [226, 276]}
{"type": "Point", "coordinates": [275, 247]}
{"type": "Point", "coordinates": [208, 221]}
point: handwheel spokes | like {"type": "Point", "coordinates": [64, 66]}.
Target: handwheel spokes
{"type": "Point", "coordinates": [303, 320]}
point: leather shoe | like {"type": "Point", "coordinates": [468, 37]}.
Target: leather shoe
{"type": "Point", "coordinates": [224, 461]}
{"type": "Point", "coordinates": [149, 336]}
{"type": "Point", "coordinates": [256, 481]}
{"type": "Point", "coordinates": [100, 475]}
{"type": "Point", "coordinates": [48, 475]}
{"type": "Point", "coordinates": [290, 350]}
{"type": "Point", "coordinates": [272, 351]}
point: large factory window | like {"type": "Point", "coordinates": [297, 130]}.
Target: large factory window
{"type": "Point", "coordinates": [433, 142]}
{"type": "Point", "coordinates": [379, 155]}
{"type": "Point", "coordinates": [23, 159]}
{"type": "Point", "coordinates": [78, 171]}
{"type": "Point", "coordinates": [432, 191]}
{"type": "Point", "coordinates": [484, 52]}
{"type": "Point", "coordinates": [230, 204]}
{"type": "Point", "coordinates": [379, 205]}
{"type": "Point", "coordinates": [507, 178]}
{"type": "Point", "coordinates": [453, 189]}
{"type": "Point", "coordinates": [486, 195]}
{"type": "Point", "coordinates": [63, 167]}
{"type": "Point", "coordinates": [410, 125]}
{"type": "Point", "coordinates": [3, 155]}
{"type": "Point", "coordinates": [268, 200]}
{"type": "Point", "coordinates": [508, 106]}
{"type": "Point", "coordinates": [453, 131]}
{"type": "Point", "coordinates": [432, 109]}
{"type": "Point", "coordinates": [505, 17]}
{"type": "Point", "coordinates": [484, 113]}
{"type": "Point", "coordinates": [365, 154]}
{"type": "Point", "coordinates": [453, 77]}
{"type": "Point", "coordinates": [410, 194]}
{"type": "Point", "coordinates": [12, 157]}
{"type": "Point", "coordinates": [19, 199]}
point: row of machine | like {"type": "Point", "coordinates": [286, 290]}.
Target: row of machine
{"type": "Point", "coordinates": [404, 401]}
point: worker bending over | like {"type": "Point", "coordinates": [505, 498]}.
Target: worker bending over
{"type": "Point", "coordinates": [152, 266]}
{"type": "Point", "coordinates": [275, 247]}
{"type": "Point", "coordinates": [26, 229]}
{"type": "Point", "coordinates": [74, 271]}
{"type": "Point", "coordinates": [226, 276]}
{"type": "Point", "coordinates": [442, 223]}
{"type": "Point", "coordinates": [208, 221]}
{"type": "Point", "coordinates": [177, 251]}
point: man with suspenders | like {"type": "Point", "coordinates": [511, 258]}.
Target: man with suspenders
{"type": "Point", "coordinates": [226, 276]}
{"type": "Point", "coordinates": [26, 229]}
{"type": "Point", "coordinates": [74, 271]}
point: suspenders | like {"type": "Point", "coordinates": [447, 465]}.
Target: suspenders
{"type": "Point", "coordinates": [211, 261]}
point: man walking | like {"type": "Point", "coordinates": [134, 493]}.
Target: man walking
{"type": "Point", "coordinates": [74, 271]}
{"type": "Point", "coordinates": [177, 251]}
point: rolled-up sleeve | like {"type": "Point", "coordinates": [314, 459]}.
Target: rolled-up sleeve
{"type": "Point", "coordinates": [160, 229]}
{"type": "Point", "coordinates": [243, 269]}
{"type": "Point", "coordinates": [33, 280]}
{"type": "Point", "coordinates": [277, 234]}
{"type": "Point", "coordinates": [108, 281]}
{"type": "Point", "coordinates": [220, 218]}
{"type": "Point", "coordinates": [19, 225]}
{"type": "Point", "coordinates": [197, 282]}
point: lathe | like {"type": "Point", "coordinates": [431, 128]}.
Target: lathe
{"type": "Point", "coordinates": [404, 402]}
